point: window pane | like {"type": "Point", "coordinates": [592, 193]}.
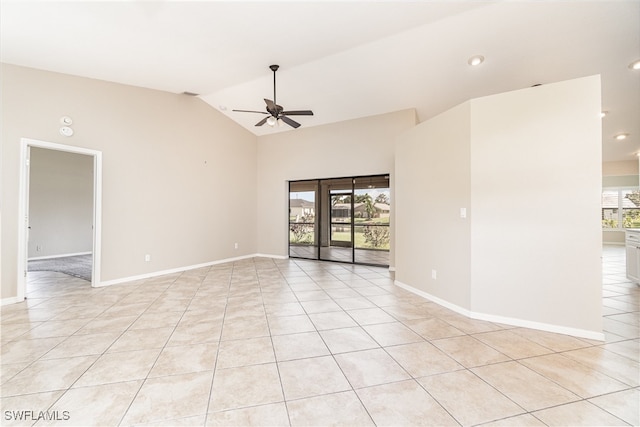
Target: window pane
{"type": "Point", "coordinates": [302, 219]}
{"type": "Point", "coordinates": [631, 208]}
{"type": "Point", "coordinates": [610, 209]}
{"type": "Point", "coordinates": [372, 210]}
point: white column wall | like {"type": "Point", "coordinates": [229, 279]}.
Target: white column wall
{"type": "Point", "coordinates": [432, 184]}
{"type": "Point", "coordinates": [535, 194]}
{"type": "Point", "coordinates": [529, 251]}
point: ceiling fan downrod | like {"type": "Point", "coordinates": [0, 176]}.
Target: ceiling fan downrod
{"type": "Point", "coordinates": [274, 68]}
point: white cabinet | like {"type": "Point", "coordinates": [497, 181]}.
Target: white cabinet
{"type": "Point", "coordinates": [632, 243]}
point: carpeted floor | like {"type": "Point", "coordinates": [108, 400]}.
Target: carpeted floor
{"type": "Point", "coordinates": [77, 266]}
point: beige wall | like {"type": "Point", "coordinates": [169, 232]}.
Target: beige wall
{"type": "Point", "coordinates": [515, 159]}
{"type": "Point", "coordinates": [60, 203]}
{"type": "Point", "coordinates": [355, 147]}
{"type": "Point", "coordinates": [432, 184]}
{"type": "Point", "coordinates": [620, 168]}
{"type": "Point", "coordinates": [620, 174]}
{"type": "Point", "coordinates": [536, 152]}
{"type": "Point", "coordinates": [179, 179]}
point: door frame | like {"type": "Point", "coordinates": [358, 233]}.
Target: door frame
{"type": "Point", "coordinates": [23, 207]}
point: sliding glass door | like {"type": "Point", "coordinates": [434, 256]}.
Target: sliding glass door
{"type": "Point", "coordinates": [372, 210]}
{"type": "Point", "coordinates": [336, 220]}
{"type": "Point", "coordinates": [340, 219]}
{"type": "Point", "coordinates": [303, 229]}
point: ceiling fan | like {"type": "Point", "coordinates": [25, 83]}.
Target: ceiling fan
{"type": "Point", "coordinates": [276, 112]}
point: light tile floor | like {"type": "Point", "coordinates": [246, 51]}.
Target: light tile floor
{"type": "Point", "coordinates": [296, 342]}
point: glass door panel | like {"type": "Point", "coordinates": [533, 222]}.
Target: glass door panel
{"type": "Point", "coordinates": [337, 195]}
{"type": "Point", "coordinates": [303, 229]}
{"type": "Point", "coordinates": [341, 220]}
{"type": "Point", "coordinates": [372, 209]}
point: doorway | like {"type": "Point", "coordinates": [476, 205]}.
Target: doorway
{"type": "Point", "coordinates": [48, 243]}
{"type": "Point", "coordinates": [341, 219]}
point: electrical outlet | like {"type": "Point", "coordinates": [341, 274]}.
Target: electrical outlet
{"type": "Point", "coordinates": [38, 248]}
{"type": "Point", "coordinates": [147, 258]}
{"type": "Point", "coordinates": [235, 246]}
{"type": "Point", "coordinates": [434, 274]}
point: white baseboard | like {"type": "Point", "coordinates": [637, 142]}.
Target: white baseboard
{"type": "Point", "coordinates": [10, 300]}
{"type": "Point", "coordinates": [181, 269]}
{"type": "Point", "coordinates": [439, 301]}
{"type": "Point", "coordinates": [58, 256]}
{"type": "Point", "coordinates": [580, 333]}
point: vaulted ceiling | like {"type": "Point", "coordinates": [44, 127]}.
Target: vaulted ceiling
{"type": "Point", "coordinates": [341, 59]}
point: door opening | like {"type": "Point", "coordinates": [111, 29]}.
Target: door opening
{"type": "Point", "coordinates": [57, 244]}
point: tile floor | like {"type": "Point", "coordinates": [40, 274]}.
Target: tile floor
{"type": "Point", "coordinates": [295, 342]}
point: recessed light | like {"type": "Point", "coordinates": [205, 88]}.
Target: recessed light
{"type": "Point", "coordinates": [635, 65]}
{"type": "Point", "coordinates": [603, 114]}
{"type": "Point", "coordinates": [223, 108]}
{"type": "Point", "coordinates": [475, 60]}
{"type": "Point", "coordinates": [621, 136]}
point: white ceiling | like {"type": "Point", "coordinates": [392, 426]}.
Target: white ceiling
{"type": "Point", "coordinates": [341, 59]}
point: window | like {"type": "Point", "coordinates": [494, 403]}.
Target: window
{"type": "Point", "coordinates": [620, 209]}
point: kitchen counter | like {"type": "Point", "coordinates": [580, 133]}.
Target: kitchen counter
{"type": "Point", "coordinates": [632, 246]}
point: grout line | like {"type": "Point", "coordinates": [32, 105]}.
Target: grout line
{"type": "Point", "coordinates": [349, 276]}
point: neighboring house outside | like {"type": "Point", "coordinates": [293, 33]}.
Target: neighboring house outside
{"type": "Point", "coordinates": [299, 208]}
{"type": "Point", "coordinates": [610, 208]}
{"type": "Point", "coordinates": [343, 210]}
{"type": "Point", "coordinates": [383, 210]}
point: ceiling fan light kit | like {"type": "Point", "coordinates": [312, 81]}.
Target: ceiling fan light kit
{"type": "Point", "coordinates": [275, 112]}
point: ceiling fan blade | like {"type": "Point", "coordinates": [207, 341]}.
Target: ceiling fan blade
{"type": "Point", "coordinates": [263, 121]}
{"type": "Point", "coordinates": [290, 122]}
{"type": "Point", "coordinates": [298, 113]}
{"type": "Point", "coordinates": [271, 106]}
{"type": "Point", "coordinates": [250, 111]}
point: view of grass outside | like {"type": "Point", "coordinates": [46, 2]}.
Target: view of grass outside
{"type": "Point", "coordinates": [301, 233]}
{"type": "Point", "coordinates": [370, 233]}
